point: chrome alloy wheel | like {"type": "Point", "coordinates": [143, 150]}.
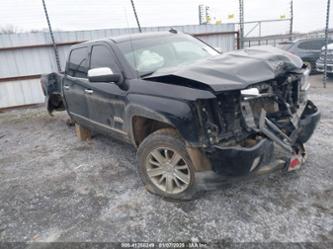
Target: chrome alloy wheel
{"type": "Point", "coordinates": [168, 170]}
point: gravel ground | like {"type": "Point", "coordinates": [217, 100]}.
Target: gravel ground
{"type": "Point", "coordinates": [57, 188]}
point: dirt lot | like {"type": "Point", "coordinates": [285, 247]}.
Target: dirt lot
{"type": "Point", "coordinates": [56, 188]}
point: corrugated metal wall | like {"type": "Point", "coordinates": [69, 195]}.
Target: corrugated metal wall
{"type": "Point", "coordinates": [39, 60]}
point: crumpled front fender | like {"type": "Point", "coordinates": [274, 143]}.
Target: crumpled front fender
{"type": "Point", "coordinates": [176, 113]}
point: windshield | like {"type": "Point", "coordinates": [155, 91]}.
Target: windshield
{"type": "Point", "coordinates": [152, 54]}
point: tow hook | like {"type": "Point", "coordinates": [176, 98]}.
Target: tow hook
{"type": "Point", "coordinates": [297, 159]}
{"type": "Point", "coordinates": [295, 162]}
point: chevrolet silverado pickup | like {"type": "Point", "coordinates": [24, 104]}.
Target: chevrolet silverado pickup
{"type": "Point", "coordinates": [187, 108]}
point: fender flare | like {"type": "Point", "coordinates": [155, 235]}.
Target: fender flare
{"type": "Point", "coordinates": [175, 113]}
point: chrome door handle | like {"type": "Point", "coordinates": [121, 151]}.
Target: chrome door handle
{"type": "Point", "coordinates": [66, 87]}
{"type": "Point", "coordinates": [88, 91]}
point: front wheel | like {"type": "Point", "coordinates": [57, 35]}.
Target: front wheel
{"type": "Point", "coordinates": [165, 167]}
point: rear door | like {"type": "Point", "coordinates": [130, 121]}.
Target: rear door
{"type": "Point", "coordinates": [75, 82]}
{"type": "Point", "coordinates": [106, 100]}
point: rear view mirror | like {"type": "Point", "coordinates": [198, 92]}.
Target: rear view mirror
{"type": "Point", "coordinates": [103, 74]}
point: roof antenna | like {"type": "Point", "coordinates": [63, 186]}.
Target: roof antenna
{"type": "Point", "coordinates": [173, 31]}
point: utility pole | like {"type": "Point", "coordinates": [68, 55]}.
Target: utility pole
{"type": "Point", "coordinates": [201, 14]}
{"type": "Point", "coordinates": [326, 42]}
{"type": "Point", "coordinates": [208, 17]}
{"type": "Point", "coordinates": [52, 37]}
{"type": "Point", "coordinates": [241, 23]}
{"type": "Point", "coordinates": [204, 14]}
{"type": "Point", "coordinates": [291, 20]}
{"type": "Point", "coordinates": [136, 16]}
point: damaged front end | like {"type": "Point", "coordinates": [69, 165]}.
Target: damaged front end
{"type": "Point", "coordinates": [243, 127]}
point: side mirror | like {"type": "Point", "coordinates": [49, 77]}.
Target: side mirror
{"type": "Point", "coordinates": [103, 74]}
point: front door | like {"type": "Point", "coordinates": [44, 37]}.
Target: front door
{"type": "Point", "coordinates": [74, 84]}
{"type": "Point", "coordinates": [106, 100]}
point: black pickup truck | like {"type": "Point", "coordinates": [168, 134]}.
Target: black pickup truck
{"type": "Point", "coordinates": [187, 108]}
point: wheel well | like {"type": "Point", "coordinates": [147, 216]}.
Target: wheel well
{"type": "Point", "coordinates": [143, 127]}
{"type": "Point", "coordinates": [55, 102]}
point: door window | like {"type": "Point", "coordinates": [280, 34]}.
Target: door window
{"type": "Point", "coordinates": [77, 66]}
{"type": "Point", "coordinates": [101, 56]}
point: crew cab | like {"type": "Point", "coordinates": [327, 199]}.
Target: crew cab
{"type": "Point", "coordinates": [187, 108]}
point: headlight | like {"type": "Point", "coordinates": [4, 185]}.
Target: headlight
{"type": "Point", "coordinates": [250, 92]}
{"type": "Point", "coordinates": [305, 84]}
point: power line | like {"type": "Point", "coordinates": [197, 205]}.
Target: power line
{"type": "Point", "coordinates": [52, 37]}
{"type": "Point", "coordinates": [136, 16]}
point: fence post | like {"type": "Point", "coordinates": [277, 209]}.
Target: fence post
{"type": "Point", "coordinates": [291, 20]}
{"type": "Point", "coordinates": [238, 39]}
{"type": "Point", "coordinates": [241, 23]}
{"type": "Point", "coordinates": [326, 42]}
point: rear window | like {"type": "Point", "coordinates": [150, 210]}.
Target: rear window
{"type": "Point", "coordinates": [77, 64]}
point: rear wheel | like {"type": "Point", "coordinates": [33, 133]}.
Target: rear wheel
{"type": "Point", "coordinates": [165, 167]}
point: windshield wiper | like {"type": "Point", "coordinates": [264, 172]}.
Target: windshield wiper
{"type": "Point", "coordinates": [145, 74]}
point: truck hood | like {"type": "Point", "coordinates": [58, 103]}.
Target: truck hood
{"type": "Point", "coordinates": [233, 70]}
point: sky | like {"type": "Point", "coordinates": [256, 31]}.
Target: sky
{"type": "Point", "coordinates": [99, 14]}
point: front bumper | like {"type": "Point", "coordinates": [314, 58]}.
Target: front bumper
{"type": "Point", "coordinates": [320, 67]}
{"type": "Point", "coordinates": [308, 122]}
{"type": "Point", "coordinates": [238, 161]}
{"type": "Point", "coordinates": [241, 161]}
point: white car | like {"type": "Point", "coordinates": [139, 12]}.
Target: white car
{"type": "Point", "coordinates": [320, 61]}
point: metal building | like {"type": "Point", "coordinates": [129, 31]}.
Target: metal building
{"type": "Point", "coordinates": [24, 57]}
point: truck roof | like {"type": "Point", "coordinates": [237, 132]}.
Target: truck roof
{"type": "Point", "coordinates": [139, 36]}
{"type": "Point", "coordinates": [129, 37]}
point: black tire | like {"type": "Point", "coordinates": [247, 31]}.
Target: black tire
{"type": "Point", "coordinates": [166, 138]}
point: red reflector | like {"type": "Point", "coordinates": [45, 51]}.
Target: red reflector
{"type": "Point", "coordinates": [294, 163]}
